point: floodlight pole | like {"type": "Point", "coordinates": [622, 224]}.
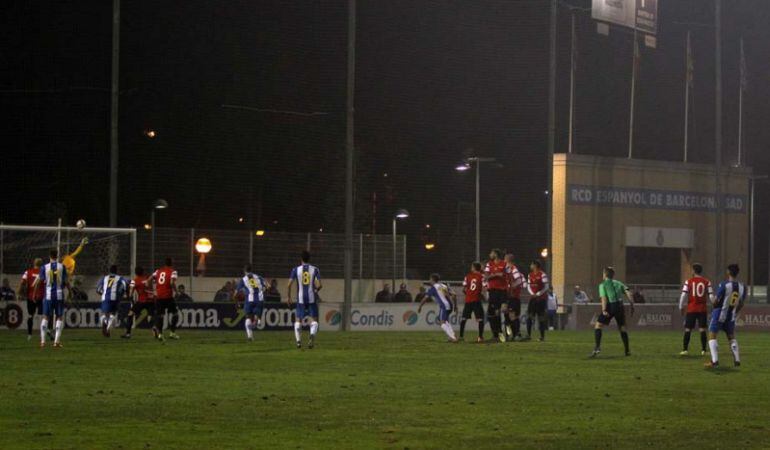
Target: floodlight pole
{"type": "Point", "coordinates": [152, 240]}
{"type": "Point", "coordinates": [114, 96]}
{"type": "Point", "coordinates": [349, 151]}
{"type": "Point", "coordinates": [718, 132]}
{"type": "Point", "coordinates": [478, 211]}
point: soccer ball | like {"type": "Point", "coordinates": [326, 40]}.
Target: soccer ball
{"type": "Point", "coordinates": [80, 224]}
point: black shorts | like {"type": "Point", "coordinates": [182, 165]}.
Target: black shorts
{"type": "Point", "coordinates": [614, 311]}
{"type": "Point", "coordinates": [536, 307]}
{"type": "Point", "coordinates": [496, 299]}
{"type": "Point", "coordinates": [34, 307]}
{"type": "Point", "coordinates": [475, 308]}
{"type": "Point", "coordinates": [691, 318]}
{"type": "Point", "coordinates": [138, 307]}
{"type": "Point", "coordinates": [165, 304]}
{"type": "Point", "coordinates": [514, 305]}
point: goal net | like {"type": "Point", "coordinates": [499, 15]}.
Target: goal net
{"type": "Point", "coordinates": [21, 244]}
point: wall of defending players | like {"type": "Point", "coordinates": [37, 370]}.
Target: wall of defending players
{"type": "Point", "coordinates": [366, 317]}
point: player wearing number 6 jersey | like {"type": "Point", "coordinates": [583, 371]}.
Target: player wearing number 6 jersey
{"type": "Point", "coordinates": [252, 287]}
{"type": "Point", "coordinates": [307, 277]}
{"type": "Point", "coordinates": [693, 303]}
{"type": "Point", "coordinates": [728, 303]}
{"type": "Point", "coordinates": [472, 285]}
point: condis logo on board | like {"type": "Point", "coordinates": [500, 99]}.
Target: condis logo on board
{"type": "Point", "coordinates": [333, 317]}
{"type": "Point", "coordinates": [410, 317]}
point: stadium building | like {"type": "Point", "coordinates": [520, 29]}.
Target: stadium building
{"type": "Point", "coordinates": [648, 219]}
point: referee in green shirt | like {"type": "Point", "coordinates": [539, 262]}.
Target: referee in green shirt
{"type": "Point", "coordinates": [611, 293]}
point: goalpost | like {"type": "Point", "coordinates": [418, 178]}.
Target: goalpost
{"type": "Point", "coordinates": [21, 244]}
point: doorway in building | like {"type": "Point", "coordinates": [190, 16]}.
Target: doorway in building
{"type": "Point", "coordinates": [653, 265]}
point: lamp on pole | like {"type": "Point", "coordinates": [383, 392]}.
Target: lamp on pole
{"type": "Point", "coordinates": [157, 204]}
{"type": "Point", "coordinates": [467, 165]}
{"type": "Point", "coordinates": [401, 214]}
{"type": "Point", "coordinates": [752, 181]}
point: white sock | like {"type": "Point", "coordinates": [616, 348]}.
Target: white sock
{"type": "Point", "coordinates": [713, 347]}
{"type": "Point", "coordinates": [313, 328]}
{"type": "Point", "coordinates": [736, 350]}
{"type": "Point", "coordinates": [43, 329]}
{"type": "Point", "coordinates": [448, 330]}
{"type": "Point", "coordinates": [297, 331]}
{"type": "Point", "coordinates": [59, 326]}
{"type": "Point", "coordinates": [110, 322]}
{"type": "Point", "coordinates": [249, 333]}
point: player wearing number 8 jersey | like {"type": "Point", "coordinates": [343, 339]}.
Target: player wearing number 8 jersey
{"type": "Point", "coordinates": [252, 287]}
{"type": "Point", "coordinates": [165, 288]}
{"type": "Point", "coordinates": [307, 277]}
{"type": "Point", "coordinates": [472, 285]}
{"type": "Point", "coordinates": [693, 303]}
{"type": "Point", "coordinates": [730, 297]}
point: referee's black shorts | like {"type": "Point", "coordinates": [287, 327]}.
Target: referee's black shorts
{"type": "Point", "coordinates": [615, 311]}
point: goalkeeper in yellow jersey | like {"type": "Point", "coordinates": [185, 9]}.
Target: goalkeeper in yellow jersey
{"type": "Point", "coordinates": [69, 260]}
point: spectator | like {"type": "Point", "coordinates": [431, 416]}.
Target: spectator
{"type": "Point", "coordinates": [580, 296]}
{"type": "Point", "coordinates": [6, 293]}
{"type": "Point", "coordinates": [225, 294]}
{"type": "Point", "coordinates": [181, 295]}
{"type": "Point", "coordinates": [553, 305]}
{"type": "Point", "coordinates": [420, 295]}
{"type": "Point", "coordinates": [638, 296]}
{"type": "Point", "coordinates": [77, 293]}
{"type": "Point", "coordinates": [273, 288]}
{"type": "Point", "coordinates": [403, 295]}
{"type": "Point", "coordinates": [384, 295]}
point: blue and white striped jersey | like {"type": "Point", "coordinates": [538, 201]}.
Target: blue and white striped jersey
{"type": "Point", "coordinates": [306, 276]}
{"type": "Point", "coordinates": [253, 286]}
{"type": "Point", "coordinates": [54, 277]}
{"type": "Point", "coordinates": [730, 294]}
{"type": "Point", "coordinates": [112, 288]}
{"type": "Point", "coordinates": [441, 294]}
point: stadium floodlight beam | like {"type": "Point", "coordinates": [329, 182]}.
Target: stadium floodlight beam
{"type": "Point", "coordinates": [466, 165]}
{"type": "Point", "coordinates": [157, 204]}
{"type": "Point", "coordinates": [400, 214]}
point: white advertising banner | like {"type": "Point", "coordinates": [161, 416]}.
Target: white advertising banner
{"type": "Point", "coordinates": [384, 317]}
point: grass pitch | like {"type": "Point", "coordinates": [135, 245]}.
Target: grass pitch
{"type": "Point", "coordinates": [378, 390]}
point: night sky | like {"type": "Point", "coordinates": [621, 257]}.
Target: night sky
{"type": "Point", "coordinates": [436, 81]}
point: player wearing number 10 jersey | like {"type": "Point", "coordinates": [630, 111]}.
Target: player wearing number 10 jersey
{"type": "Point", "coordinates": [472, 285]}
{"type": "Point", "coordinates": [729, 301]}
{"type": "Point", "coordinates": [308, 280]}
{"type": "Point", "coordinates": [693, 303]}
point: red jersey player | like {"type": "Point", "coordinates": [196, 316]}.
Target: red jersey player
{"type": "Point", "coordinates": [537, 285]}
{"type": "Point", "coordinates": [33, 294]}
{"type": "Point", "coordinates": [494, 275]}
{"type": "Point", "coordinates": [515, 280]}
{"type": "Point", "coordinates": [472, 285]}
{"type": "Point", "coordinates": [165, 288]}
{"type": "Point", "coordinates": [696, 292]}
{"type": "Point", "coordinates": [145, 301]}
